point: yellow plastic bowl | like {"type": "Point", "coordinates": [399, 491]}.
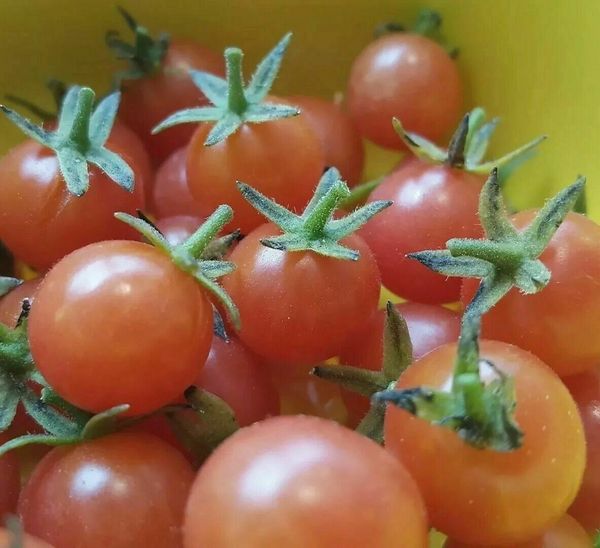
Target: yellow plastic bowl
{"type": "Point", "coordinates": [531, 62]}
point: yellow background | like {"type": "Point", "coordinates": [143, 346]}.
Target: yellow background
{"type": "Point", "coordinates": [532, 62]}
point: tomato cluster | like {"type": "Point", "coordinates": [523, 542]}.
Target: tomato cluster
{"type": "Point", "coordinates": [199, 347]}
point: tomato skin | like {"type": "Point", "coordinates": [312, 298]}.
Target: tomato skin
{"type": "Point", "coordinates": [309, 304]}
{"type": "Point", "coordinates": [559, 323]}
{"type": "Point", "coordinates": [117, 322]}
{"type": "Point", "coordinates": [147, 101]}
{"type": "Point", "coordinates": [28, 540]}
{"type": "Point", "coordinates": [565, 533]}
{"type": "Point", "coordinates": [432, 203]}
{"type": "Point", "coordinates": [41, 221]}
{"type": "Point", "coordinates": [409, 77]}
{"type": "Point", "coordinates": [282, 159]}
{"type": "Point", "coordinates": [511, 496]}
{"type": "Point", "coordinates": [11, 304]}
{"type": "Point", "coordinates": [342, 144]}
{"type": "Point", "coordinates": [10, 482]}
{"type": "Point", "coordinates": [121, 490]}
{"type": "Point", "coordinates": [178, 228]}
{"type": "Point", "coordinates": [429, 327]}
{"type": "Point", "coordinates": [302, 481]}
{"type": "Point", "coordinates": [234, 374]}
{"type": "Point", "coordinates": [585, 389]}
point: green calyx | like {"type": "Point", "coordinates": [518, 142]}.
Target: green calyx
{"type": "Point", "coordinates": [397, 356]}
{"type": "Point", "coordinates": [468, 146]}
{"type": "Point", "coordinates": [7, 284]}
{"type": "Point", "coordinates": [58, 90]}
{"type": "Point", "coordinates": [315, 230]}
{"type": "Point", "coordinates": [189, 256]}
{"type": "Point", "coordinates": [144, 56]}
{"type": "Point", "coordinates": [234, 104]}
{"type": "Point", "coordinates": [483, 413]}
{"type": "Point", "coordinates": [428, 23]}
{"type": "Point", "coordinates": [80, 139]}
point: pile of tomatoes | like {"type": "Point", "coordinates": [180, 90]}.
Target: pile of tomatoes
{"type": "Point", "coordinates": [202, 259]}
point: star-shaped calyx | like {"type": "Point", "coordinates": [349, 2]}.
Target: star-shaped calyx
{"type": "Point", "coordinates": [315, 229]}
{"type": "Point", "coordinates": [80, 139]}
{"type": "Point", "coordinates": [483, 413]}
{"type": "Point", "coordinates": [234, 104]}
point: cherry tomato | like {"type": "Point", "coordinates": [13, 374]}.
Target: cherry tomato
{"type": "Point", "coordinates": [432, 203]}
{"type": "Point", "coordinates": [117, 322]}
{"type": "Point", "coordinates": [565, 533]}
{"type": "Point", "coordinates": [342, 144]}
{"type": "Point", "coordinates": [303, 481]}
{"type": "Point", "coordinates": [281, 158]}
{"type": "Point", "coordinates": [179, 228]}
{"type": "Point", "coordinates": [429, 327]}
{"type": "Point", "coordinates": [11, 304]}
{"type": "Point", "coordinates": [122, 490]}
{"type": "Point", "coordinates": [41, 221]}
{"type": "Point", "coordinates": [10, 482]}
{"type": "Point", "coordinates": [409, 77]}
{"type": "Point", "coordinates": [559, 323]}
{"type": "Point", "coordinates": [28, 541]}
{"type": "Point", "coordinates": [585, 389]}
{"type": "Point", "coordinates": [299, 307]}
{"type": "Point", "coordinates": [239, 378]}
{"type": "Point", "coordinates": [513, 496]}
{"type": "Point", "coordinates": [171, 195]}
{"type": "Point", "coordinates": [149, 100]}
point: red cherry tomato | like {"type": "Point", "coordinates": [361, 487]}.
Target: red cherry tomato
{"type": "Point", "coordinates": [171, 195]}
{"type": "Point", "coordinates": [559, 323]}
{"type": "Point", "coordinates": [117, 322]}
{"type": "Point", "coordinates": [299, 307]}
{"type": "Point", "coordinates": [239, 378]}
{"type": "Point", "coordinates": [429, 327]}
{"type": "Point", "coordinates": [41, 221]}
{"type": "Point", "coordinates": [512, 496]}
{"type": "Point", "coordinates": [431, 204]}
{"type": "Point", "coordinates": [149, 100]}
{"type": "Point", "coordinates": [282, 159]}
{"type": "Point", "coordinates": [28, 541]}
{"type": "Point", "coordinates": [303, 481]}
{"type": "Point", "coordinates": [122, 490]}
{"type": "Point", "coordinates": [342, 144]}
{"type": "Point", "coordinates": [409, 77]}
{"type": "Point", "coordinates": [179, 228]}
{"type": "Point", "coordinates": [11, 304]}
{"type": "Point", "coordinates": [10, 482]}
{"type": "Point", "coordinates": [585, 389]}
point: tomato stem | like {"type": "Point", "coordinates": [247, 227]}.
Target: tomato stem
{"type": "Point", "coordinates": [199, 241]}
{"type": "Point", "coordinates": [79, 120]}
{"type": "Point", "coordinates": [236, 100]}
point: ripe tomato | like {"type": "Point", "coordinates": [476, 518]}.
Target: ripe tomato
{"type": "Point", "coordinates": [407, 76]}
{"type": "Point", "coordinates": [178, 228]}
{"type": "Point", "coordinates": [239, 378]}
{"type": "Point", "coordinates": [118, 322]}
{"type": "Point", "coordinates": [302, 481]}
{"type": "Point", "coordinates": [149, 100]}
{"type": "Point", "coordinates": [585, 389]}
{"type": "Point", "coordinates": [429, 327]}
{"type": "Point", "coordinates": [41, 221]}
{"type": "Point", "coordinates": [10, 482]}
{"type": "Point", "coordinates": [28, 541]}
{"type": "Point", "coordinates": [122, 490]}
{"type": "Point", "coordinates": [432, 203]}
{"type": "Point", "coordinates": [170, 193]}
{"type": "Point", "coordinates": [280, 158]}
{"type": "Point", "coordinates": [11, 304]}
{"type": "Point", "coordinates": [511, 496]}
{"type": "Point", "coordinates": [565, 533]}
{"type": "Point", "coordinates": [299, 307]}
{"type": "Point", "coordinates": [559, 323]}
{"type": "Point", "coordinates": [341, 143]}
